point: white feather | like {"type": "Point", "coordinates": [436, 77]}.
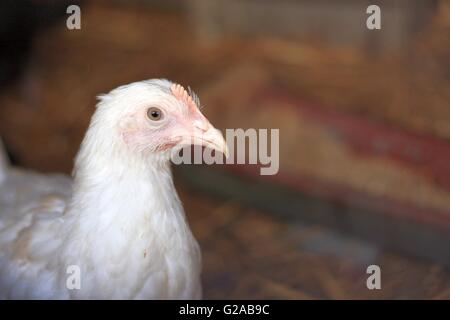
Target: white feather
{"type": "Point", "coordinates": [119, 220]}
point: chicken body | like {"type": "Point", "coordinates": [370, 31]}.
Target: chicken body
{"type": "Point", "coordinates": [117, 230]}
{"type": "Point", "coordinates": [136, 250]}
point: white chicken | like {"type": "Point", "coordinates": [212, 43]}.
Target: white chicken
{"type": "Point", "coordinates": [119, 226]}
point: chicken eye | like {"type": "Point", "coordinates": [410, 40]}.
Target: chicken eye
{"type": "Point", "coordinates": [154, 114]}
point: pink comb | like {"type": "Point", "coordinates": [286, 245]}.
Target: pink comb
{"type": "Point", "coordinates": [190, 98]}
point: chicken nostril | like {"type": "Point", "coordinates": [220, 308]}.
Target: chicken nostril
{"type": "Point", "coordinates": [201, 126]}
{"type": "Point", "coordinates": [203, 129]}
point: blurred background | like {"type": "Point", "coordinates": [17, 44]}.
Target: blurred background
{"type": "Point", "coordinates": [364, 119]}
